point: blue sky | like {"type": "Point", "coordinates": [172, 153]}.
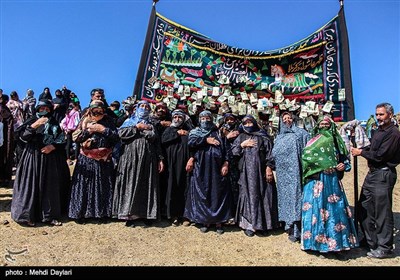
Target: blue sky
{"type": "Point", "coordinates": [89, 44]}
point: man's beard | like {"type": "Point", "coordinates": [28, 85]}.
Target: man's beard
{"type": "Point", "coordinates": [384, 122]}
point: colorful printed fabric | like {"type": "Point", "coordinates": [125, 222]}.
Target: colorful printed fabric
{"type": "Point", "coordinates": [322, 151]}
{"type": "Point", "coordinates": [177, 62]}
{"type": "Point", "coordinates": [287, 150]}
{"type": "Point", "coordinates": [326, 223]}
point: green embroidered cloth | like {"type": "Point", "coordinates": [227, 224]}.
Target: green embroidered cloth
{"type": "Point", "coordinates": [321, 152]}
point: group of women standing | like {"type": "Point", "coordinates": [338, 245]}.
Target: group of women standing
{"type": "Point", "coordinates": [307, 198]}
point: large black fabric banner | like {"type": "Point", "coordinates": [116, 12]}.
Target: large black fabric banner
{"type": "Point", "coordinates": [185, 68]}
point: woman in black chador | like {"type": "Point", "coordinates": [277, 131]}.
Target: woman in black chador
{"type": "Point", "coordinates": [175, 141]}
{"type": "Point", "coordinates": [257, 205]}
{"type": "Point", "coordinates": [42, 177]}
{"type": "Point", "coordinates": [208, 198]}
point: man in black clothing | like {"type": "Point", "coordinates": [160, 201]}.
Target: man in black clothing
{"type": "Point", "coordinates": [98, 94]}
{"type": "Point", "coordinates": [375, 202]}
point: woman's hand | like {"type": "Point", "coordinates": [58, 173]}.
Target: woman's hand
{"type": "Point", "coordinates": [232, 134]}
{"type": "Point", "coordinates": [225, 169]}
{"type": "Point", "coordinates": [212, 141]}
{"type": "Point", "coordinates": [143, 126]}
{"type": "Point", "coordinates": [160, 166]}
{"type": "Point", "coordinates": [340, 167]}
{"type": "Point", "coordinates": [165, 123]}
{"type": "Point", "coordinates": [95, 127]}
{"type": "Point", "coordinates": [269, 174]}
{"type": "Point", "coordinates": [47, 149]}
{"type": "Point", "coordinates": [248, 143]}
{"type": "Point", "coordinates": [39, 122]}
{"type": "Point", "coordinates": [190, 165]}
{"type": "Point", "coordinates": [182, 132]}
{"type": "Point", "coordinates": [85, 122]}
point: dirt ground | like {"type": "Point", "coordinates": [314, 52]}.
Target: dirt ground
{"type": "Point", "coordinates": [113, 244]}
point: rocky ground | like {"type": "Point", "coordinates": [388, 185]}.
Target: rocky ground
{"type": "Point", "coordinates": [113, 244]}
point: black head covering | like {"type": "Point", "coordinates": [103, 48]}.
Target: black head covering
{"type": "Point", "coordinates": [45, 103]}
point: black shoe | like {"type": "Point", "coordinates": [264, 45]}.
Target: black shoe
{"type": "Point", "coordinates": [148, 223]}
{"type": "Point", "coordinates": [80, 221]}
{"type": "Point", "coordinates": [103, 220]}
{"type": "Point", "coordinates": [379, 254]}
{"type": "Point", "coordinates": [249, 233]}
{"type": "Point", "coordinates": [363, 243]}
{"type": "Point", "coordinates": [341, 256]}
{"type": "Point", "coordinates": [130, 223]}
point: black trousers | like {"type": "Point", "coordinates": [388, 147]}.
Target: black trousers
{"type": "Point", "coordinates": [375, 209]}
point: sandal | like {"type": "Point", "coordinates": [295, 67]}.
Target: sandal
{"type": "Point", "coordinates": [204, 228]}
{"type": "Point", "coordinates": [55, 223]}
{"type": "Point", "coordinates": [220, 229]}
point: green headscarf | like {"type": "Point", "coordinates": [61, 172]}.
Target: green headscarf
{"type": "Point", "coordinates": [321, 152]}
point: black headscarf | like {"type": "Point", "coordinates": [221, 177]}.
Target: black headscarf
{"type": "Point", "coordinates": [206, 127]}
{"type": "Point", "coordinates": [253, 130]}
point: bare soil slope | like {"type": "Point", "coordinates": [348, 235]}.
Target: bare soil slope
{"type": "Point", "coordinates": [113, 244]}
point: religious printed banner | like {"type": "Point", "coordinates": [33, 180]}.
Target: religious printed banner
{"type": "Point", "coordinates": [185, 68]}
